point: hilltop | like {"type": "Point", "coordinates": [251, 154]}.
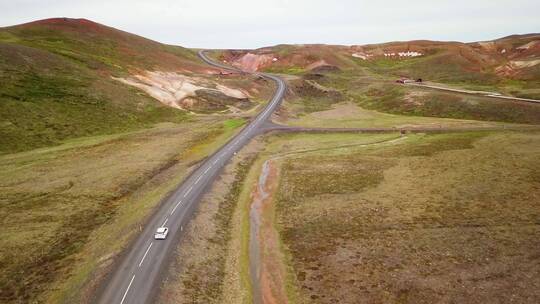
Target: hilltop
{"type": "Point", "coordinates": [100, 47]}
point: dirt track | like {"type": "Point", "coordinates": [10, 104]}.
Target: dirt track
{"type": "Point", "coordinates": [272, 127]}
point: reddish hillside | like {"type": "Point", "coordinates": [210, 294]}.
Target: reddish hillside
{"type": "Point", "coordinates": [515, 57]}
{"type": "Point", "coordinates": [101, 47]}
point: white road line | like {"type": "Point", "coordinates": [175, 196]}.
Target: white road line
{"type": "Point", "coordinates": [207, 169]}
{"type": "Point", "coordinates": [188, 191]}
{"type": "Point", "coordinates": [125, 293]}
{"type": "Point", "coordinates": [198, 179]}
{"type": "Point", "coordinates": [166, 220]}
{"type": "Point", "coordinates": [144, 256]}
{"type": "Point", "coordinates": [174, 209]}
{"type": "Point", "coordinates": [215, 162]}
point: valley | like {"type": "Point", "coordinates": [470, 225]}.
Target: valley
{"type": "Point", "coordinates": [286, 174]}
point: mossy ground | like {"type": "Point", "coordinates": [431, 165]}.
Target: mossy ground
{"type": "Point", "coordinates": [406, 104]}
{"type": "Point", "coordinates": [428, 218]}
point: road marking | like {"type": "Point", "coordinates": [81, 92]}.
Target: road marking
{"type": "Point", "coordinates": [144, 256]}
{"type": "Point", "coordinates": [177, 204]}
{"type": "Point", "coordinates": [166, 220]}
{"type": "Point", "coordinates": [125, 293]}
{"type": "Point", "coordinates": [207, 169]}
{"type": "Point", "coordinates": [188, 191]}
{"type": "Point", "coordinates": [198, 179]}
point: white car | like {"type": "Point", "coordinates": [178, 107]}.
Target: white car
{"type": "Point", "coordinates": [161, 233]}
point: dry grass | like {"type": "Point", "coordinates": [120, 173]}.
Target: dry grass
{"type": "Point", "coordinates": [440, 218]}
{"type": "Point", "coordinates": [351, 115]}
{"type": "Point", "coordinates": [372, 101]}
{"type": "Point", "coordinates": [61, 205]}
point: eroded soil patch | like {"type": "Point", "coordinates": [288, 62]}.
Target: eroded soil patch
{"type": "Point", "coordinates": [267, 270]}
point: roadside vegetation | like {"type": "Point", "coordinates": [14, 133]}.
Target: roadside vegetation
{"type": "Point", "coordinates": [68, 210]}
{"type": "Point", "coordinates": [377, 218]}
{"type": "Point", "coordinates": [414, 220]}
{"type": "Point", "coordinates": [202, 267]}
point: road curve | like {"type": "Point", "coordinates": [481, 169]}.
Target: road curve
{"type": "Point", "coordinates": [138, 274]}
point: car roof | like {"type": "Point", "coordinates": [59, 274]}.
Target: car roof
{"type": "Point", "coordinates": [161, 229]}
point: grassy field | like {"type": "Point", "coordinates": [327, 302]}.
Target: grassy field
{"type": "Point", "coordinates": [380, 102]}
{"type": "Point", "coordinates": [98, 47]}
{"type": "Point", "coordinates": [395, 99]}
{"type": "Point", "coordinates": [350, 115]}
{"type": "Point", "coordinates": [438, 66]}
{"type": "Point", "coordinates": [67, 210]}
{"type": "Point", "coordinates": [236, 286]}
{"type": "Point", "coordinates": [50, 99]}
{"type": "Point", "coordinates": [377, 219]}
{"type": "Point", "coordinates": [428, 218]}
{"type": "Point", "coordinates": [453, 69]}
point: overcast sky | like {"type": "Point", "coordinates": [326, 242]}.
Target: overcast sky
{"type": "Point", "coordinates": [252, 23]}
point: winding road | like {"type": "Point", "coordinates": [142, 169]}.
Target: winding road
{"type": "Point", "coordinates": [139, 272]}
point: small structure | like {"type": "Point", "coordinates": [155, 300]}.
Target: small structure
{"type": "Point", "coordinates": [404, 80]}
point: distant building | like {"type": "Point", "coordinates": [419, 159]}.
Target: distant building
{"type": "Point", "coordinates": [404, 54]}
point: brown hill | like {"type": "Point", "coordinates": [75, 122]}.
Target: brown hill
{"type": "Point", "coordinates": [101, 47]}
{"type": "Point", "coordinates": [512, 57]}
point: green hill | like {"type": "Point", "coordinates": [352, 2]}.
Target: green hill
{"type": "Point", "coordinates": [56, 82]}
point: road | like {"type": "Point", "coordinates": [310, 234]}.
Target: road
{"type": "Point", "coordinates": [272, 127]}
{"type": "Point", "coordinates": [479, 93]}
{"type": "Point", "coordinates": [138, 275]}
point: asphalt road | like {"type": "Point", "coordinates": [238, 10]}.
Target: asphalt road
{"type": "Point", "coordinates": [138, 275]}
